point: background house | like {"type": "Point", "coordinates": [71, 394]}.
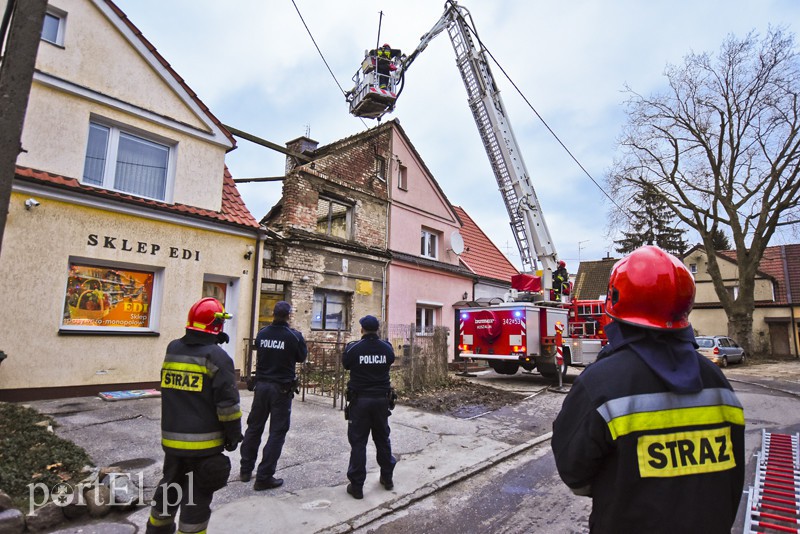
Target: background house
{"type": "Point", "coordinates": [122, 214]}
{"type": "Point", "coordinates": [777, 298]}
{"type": "Point", "coordinates": [591, 280]}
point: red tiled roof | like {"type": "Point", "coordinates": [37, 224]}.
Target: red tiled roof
{"type": "Point", "coordinates": [233, 209]}
{"type": "Point", "coordinates": [169, 68]}
{"type": "Point", "coordinates": [480, 255]}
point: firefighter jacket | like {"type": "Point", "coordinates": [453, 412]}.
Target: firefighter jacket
{"type": "Point", "coordinates": [199, 399]}
{"type": "Point", "coordinates": [368, 361]}
{"type": "Point", "coordinates": [278, 349]}
{"type": "Point", "coordinates": [654, 433]}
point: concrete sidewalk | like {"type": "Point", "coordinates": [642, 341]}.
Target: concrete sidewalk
{"type": "Point", "coordinates": [433, 451]}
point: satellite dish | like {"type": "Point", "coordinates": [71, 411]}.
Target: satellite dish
{"type": "Point", "coordinates": [456, 242]}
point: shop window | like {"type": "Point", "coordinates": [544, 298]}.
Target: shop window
{"type": "Point", "coordinates": [105, 298]}
{"type": "Point", "coordinates": [334, 218]}
{"type": "Point", "coordinates": [425, 320]}
{"type": "Point", "coordinates": [55, 22]}
{"type": "Point", "coordinates": [122, 161]}
{"type": "Point", "coordinates": [330, 310]}
{"type": "Point", "coordinates": [429, 242]}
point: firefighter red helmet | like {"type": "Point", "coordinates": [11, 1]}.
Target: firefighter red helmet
{"type": "Point", "coordinates": [386, 45]}
{"type": "Point", "coordinates": [562, 263]}
{"type": "Point", "coordinates": [650, 288]}
{"type": "Point", "coordinates": [207, 315]}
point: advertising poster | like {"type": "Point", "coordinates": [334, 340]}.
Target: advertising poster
{"type": "Point", "coordinates": [109, 298]}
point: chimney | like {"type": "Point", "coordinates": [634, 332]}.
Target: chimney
{"type": "Point", "coordinates": [302, 145]}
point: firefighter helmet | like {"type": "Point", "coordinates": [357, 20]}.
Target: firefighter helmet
{"type": "Point", "coordinates": [207, 315]}
{"type": "Point", "coordinates": [562, 263]}
{"type": "Point", "coordinates": [650, 288]}
{"type": "Point", "coordinates": [386, 45]}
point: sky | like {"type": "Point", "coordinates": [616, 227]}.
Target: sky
{"type": "Point", "coordinates": [254, 64]}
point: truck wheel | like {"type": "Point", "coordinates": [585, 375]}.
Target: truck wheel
{"type": "Point", "coordinates": [550, 370]}
{"type": "Point", "coordinates": [503, 367]}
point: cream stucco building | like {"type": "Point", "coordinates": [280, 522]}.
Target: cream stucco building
{"type": "Point", "coordinates": [122, 214]}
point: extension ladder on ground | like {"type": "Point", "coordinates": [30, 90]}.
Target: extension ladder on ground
{"type": "Point", "coordinates": [773, 503]}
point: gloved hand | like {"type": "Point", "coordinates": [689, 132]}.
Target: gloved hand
{"type": "Point", "coordinates": [222, 337]}
{"type": "Point", "coordinates": [231, 442]}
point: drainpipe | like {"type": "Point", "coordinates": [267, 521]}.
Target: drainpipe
{"type": "Point", "coordinates": [260, 238]}
{"type": "Point", "coordinates": [789, 300]}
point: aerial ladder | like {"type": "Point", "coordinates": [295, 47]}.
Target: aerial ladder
{"type": "Point", "coordinates": [524, 210]}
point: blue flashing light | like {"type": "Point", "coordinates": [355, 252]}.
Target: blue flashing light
{"type": "Point", "coordinates": [517, 313]}
{"type": "Point", "coordinates": [464, 315]}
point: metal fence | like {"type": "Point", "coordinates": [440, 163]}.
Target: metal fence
{"type": "Point", "coordinates": [420, 362]}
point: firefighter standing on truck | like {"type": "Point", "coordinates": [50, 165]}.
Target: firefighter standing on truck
{"type": "Point", "coordinates": [200, 416]}
{"type": "Point", "coordinates": [370, 400]}
{"type": "Point", "coordinates": [652, 431]}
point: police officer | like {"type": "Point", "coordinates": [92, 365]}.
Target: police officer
{"type": "Point", "coordinates": [200, 416]}
{"type": "Point", "coordinates": [279, 348]}
{"type": "Point", "coordinates": [370, 398]}
{"type": "Point", "coordinates": [652, 431]}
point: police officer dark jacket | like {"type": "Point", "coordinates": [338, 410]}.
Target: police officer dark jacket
{"type": "Point", "coordinates": [369, 360]}
{"type": "Point", "coordinates": [652, 431]}
{"type": "Point", "coordinates": [200, 401]}
{"type": "Point", "coordinates": [279, 347]}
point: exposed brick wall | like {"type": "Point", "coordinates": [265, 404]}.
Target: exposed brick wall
{"type": "Point", "coordinates": [344, 171]}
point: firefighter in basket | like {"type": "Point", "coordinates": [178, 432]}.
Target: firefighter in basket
{"type": "Point", "coordinates": [652, 431]}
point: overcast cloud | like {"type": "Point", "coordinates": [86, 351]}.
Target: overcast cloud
{"type": "Point", "coordinates": [255, 66]}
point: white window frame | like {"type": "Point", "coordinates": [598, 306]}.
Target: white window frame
{"type": "Point", "coordinates": [61, 19]}
{"type": "Point", "coordinates": [402, 177]}
{"type": "Point", "coordinates": [425, 319]}
{"type": "Point", "coordinates": [109, 171]}
{"type": "Point", "coordinates": [428, 237]}
{"type": "Point", "coordinates": [693, 268]}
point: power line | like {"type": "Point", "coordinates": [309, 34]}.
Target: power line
{"type": "Point", "coordinates": [555, 136]}
{"type": "Point", "coordinates": [344, 93]}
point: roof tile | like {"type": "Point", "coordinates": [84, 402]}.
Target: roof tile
{"type": "Point", "coordinates": [233, 210]}
{"type": "Point", "coordinates": [480, 255]}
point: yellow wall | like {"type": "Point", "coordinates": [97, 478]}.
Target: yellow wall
{"type": "Point", "coordinates": [37, 247]}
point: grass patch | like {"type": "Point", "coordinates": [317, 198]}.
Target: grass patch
{"type": "Point", "coordinates": [29, 453]}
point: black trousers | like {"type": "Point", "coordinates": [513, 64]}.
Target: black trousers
{"type": "Point", "coordinates": [369, 415]}
{"type": "Point", "coordinates": [270, 400]}
{"type": "Point", "coordinates": [185, 487]}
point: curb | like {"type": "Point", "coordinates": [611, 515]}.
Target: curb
{"type": "Point", "coordinates": [429, 489]}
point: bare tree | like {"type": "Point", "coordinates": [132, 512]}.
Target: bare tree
{"type": "Point", "coordinates": [722, 146]}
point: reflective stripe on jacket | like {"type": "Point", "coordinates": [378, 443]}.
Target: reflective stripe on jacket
{"type": "Point", "coordinates": [652, 460]}
{"type": "Point", "coordinates": [198, 397]}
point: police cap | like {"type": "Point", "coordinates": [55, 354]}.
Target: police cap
{"type": "Point", "coordinates": [369, 323]}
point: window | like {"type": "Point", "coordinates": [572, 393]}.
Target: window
{"type": "Point", "coordinates": [53, 27]}
{"type": "Point", "coordinates": [428, 244]}
{"type": "Point", "coordinates": [693, 268]}
{"type": "Point", "coordinates": [118, 160]}
{"type": "Point", "coordinates": [329, 310]}
{"type": "Point", "coordinates": [380, 167]}
{"type": "Point", "coordinates": [402, 178]}
{"type": "Point", "coordinates": [104, 298]}
{"type": "Point", "coordinates": [333, 218]}
{"type": "Point", "coordinates": [425, 322]}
